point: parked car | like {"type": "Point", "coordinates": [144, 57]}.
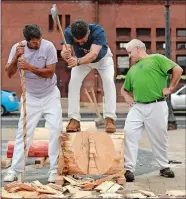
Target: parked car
{"type": "Point", "coordinates": [178, 99]}
{"type": "Point", "coordinates": [9, 102]}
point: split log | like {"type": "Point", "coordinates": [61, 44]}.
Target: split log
{"type": "Point", "coordinates": [92, 152]}
{"type": "Point", "coordinates": [6, 162]}
{"type": "Point", "coordinates": [38, 148]}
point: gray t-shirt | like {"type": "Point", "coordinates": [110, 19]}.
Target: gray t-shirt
{"type": "Point", "coordinates": [45, 55]}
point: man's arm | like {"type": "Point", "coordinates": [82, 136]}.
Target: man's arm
{"type": "Point", "coordinates": [176, 75]}
{"type": "Point", "coordinates": [88, 58]}
{"type": "Point", "coordinates": [11, 66]}
{"type": "Point", "coordinates": [128, 98]}
{"type": "Point", "coordinates": [46, 72]}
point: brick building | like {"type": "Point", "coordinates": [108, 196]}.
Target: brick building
{"type": "Point", "coordinates": [121, 19]}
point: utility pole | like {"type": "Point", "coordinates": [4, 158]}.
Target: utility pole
{"type": "Point", "coordinates": [171, 118]}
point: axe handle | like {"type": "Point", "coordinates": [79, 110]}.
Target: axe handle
{"type": "Point", "coordinates": [23, 85]}
{"type": "Point", "coordinates": [95, 102]}
{"type": "Point", "coordinates": [61, 31]}
{"type": "Point", "coordinates": [91, 101]}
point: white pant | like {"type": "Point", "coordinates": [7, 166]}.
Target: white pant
{"type": "Point", "coordinates": [105, 68]}
{"type": "Point", "coordinates": [152, 117]}
{"type": "Point", "coordinates": [50, 108]}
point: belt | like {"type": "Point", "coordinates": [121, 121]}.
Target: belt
{"type": "Point", "coordinates": [158, 100]}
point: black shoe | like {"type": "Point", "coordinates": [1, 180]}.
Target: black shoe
{"type": "Point", "coordinates": [167, 172]}
{"type": "Point", "coordinates": [129, 176]}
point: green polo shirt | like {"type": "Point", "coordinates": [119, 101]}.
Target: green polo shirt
{"type": "Point", "coordinates": [147, 78]}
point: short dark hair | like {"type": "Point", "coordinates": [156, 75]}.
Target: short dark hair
{"type": "Point", "coordinates": [32, 31]}
{"type": "Point", "coordinates": [79, 29]}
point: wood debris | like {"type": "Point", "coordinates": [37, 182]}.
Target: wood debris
{"type": "Point", "coordinates": [176, 193]}
{"type": "Point", "coordinates": [106, 187]}
{"type": "Point", "coordinates": [6, 162]}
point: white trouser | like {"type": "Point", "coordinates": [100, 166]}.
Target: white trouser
{"type": "Point", "coordinates": [105, 68]}
{"type": "Point", "coordinates": [152, 117]}
{"type": "Point", "coordinates": [50, 108]}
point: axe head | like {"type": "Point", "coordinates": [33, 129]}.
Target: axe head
{"type": "Point", "coordinates": [54, 12]}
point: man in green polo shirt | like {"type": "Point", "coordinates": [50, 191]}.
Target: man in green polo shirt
{"type": "Point", "coordinates": [145, 90]}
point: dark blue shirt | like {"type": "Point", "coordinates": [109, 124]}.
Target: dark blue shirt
{"type": "Point", "coordinates": [97, 36]}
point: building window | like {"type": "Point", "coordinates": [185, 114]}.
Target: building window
{"type": "Point", "coordinates": [143, 31]}
{"type": "Point", "coordinates": [121, 45]}
{"type": "Point", "coordinates": [123, 32]}
{"type": "Point", "coordinates": [160, 32]}
{"type": "Point", "coordinates": [147, 44]}
{"type": "Point", "coordinates": [67, 20]}
{"type": "Point", "coordinates": [122, 64]}
{"type": "Point", "coordinates": [181, 61]}
{"type": "Point", "coordinates": [51, 22]}
{"type": "Point", "coordinates": [181, 32]}
{"type": "Point", "coordinates": [160, 45]}
{"type": "Point", "coordinates": [180, 45]}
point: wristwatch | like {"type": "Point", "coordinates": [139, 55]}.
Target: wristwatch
{"type": "Point", "coordinates": [78, 61]}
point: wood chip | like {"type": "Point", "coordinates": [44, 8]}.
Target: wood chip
{"type": "Point", "coordinates": [135, 195]}
{"type": "Point", "coordinates": [72, 189]}
{"type": "Point", "coordinates": [111, 195]}
{"type": "Point", "coordinates": [6, 162]}
{"type": "Point", "coordinates": [177, 193]}
{"type": "Point", "coordinates": [147, 193]}
{"type": "Point", "coordinates": [5, 194]}
{"type": "Point", "coordinates": [71, 180]}
{"type": "Point", "coordinates": [103, 187]}
{"type": "Point", "coordinates": [83, 194]}
{"type": "Point", "coordinates": [114, 188]}
{"type": "Point", "coordinates": [56, 187]}
{"type": "Point", "coordinates": [27, 186]}
{"type": "Point", "coordinates": [28, 194]}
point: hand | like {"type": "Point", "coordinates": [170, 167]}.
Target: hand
{"type": "Point", "coordinates": [129, 100]}
{"type": "Point", "coordinates": [166, 92]}
{"type": "Point", "coordinates": [72, 62]}
{"type": "Point", "coordinates": [66, 54]}
{"type": "Point", "coordinates": [19, 51]}
{"type": "Point", "coordinates": [23, 64]}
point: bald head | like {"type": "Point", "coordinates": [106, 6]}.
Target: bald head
{"type": "Point", "coordinates": [135, 43]}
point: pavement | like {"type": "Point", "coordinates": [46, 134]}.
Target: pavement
{"type": "Point", "coordinates": [147, 171]}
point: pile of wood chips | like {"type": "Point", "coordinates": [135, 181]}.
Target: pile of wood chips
{"type": "Point", "coordinates": [78, 187]}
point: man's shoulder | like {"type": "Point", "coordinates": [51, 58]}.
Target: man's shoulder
{"type": "Point", "coordinates": [46, 43]}
{"type": "Point", "coordinates": [96, 28]}
{"type": "Point", "coordinates": [156, 56]}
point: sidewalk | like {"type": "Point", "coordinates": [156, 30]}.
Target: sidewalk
{"type": "Point", "coordinates": [149, 181]}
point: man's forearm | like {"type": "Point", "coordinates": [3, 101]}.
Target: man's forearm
{"type": "Point", "coordinates": [11, 68]}
{"type": "Point", "coordinates": [176, 75]}
{"type": "Point", "coordinates": [43, 73]}
{"type": "Point", "coordinates": [88, 58]}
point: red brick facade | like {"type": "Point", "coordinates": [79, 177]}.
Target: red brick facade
{"type": "Point", "coordinates": [128, 14]}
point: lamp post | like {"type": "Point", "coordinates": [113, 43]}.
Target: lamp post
{"type": "Point", "coordinates": [171, 118]}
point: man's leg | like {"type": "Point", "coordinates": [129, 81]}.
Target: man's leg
{"type": "Point", "coordinates": [33, 115]}
{"type": "Point", "coordinates": [132, 134]}
{"type": "Point", "coordinates": [106, 71]}
{"type": "Point", "coordinates": [156, 126]}
{"type": "Point", "coordinates": [78, 74]}
{"type": "Point", "coordinates": [53, 114]}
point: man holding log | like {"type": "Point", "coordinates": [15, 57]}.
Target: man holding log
{"type": "Point", "coordinates": [87, 49]}
{"type": "Point", "coordinates": [37, 57]}
{"type": "Point", "coordinates": [147, 80]}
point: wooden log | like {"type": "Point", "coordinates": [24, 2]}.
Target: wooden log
{"type": "Point", "coordinates": [92, 152]}
{"type": "Point", "coordinates": [38, 148]}
{"type": "Point", "coordinates": [6, 162]}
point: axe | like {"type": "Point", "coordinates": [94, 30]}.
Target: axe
{"type": "Point", "coordinates": [55, 17]}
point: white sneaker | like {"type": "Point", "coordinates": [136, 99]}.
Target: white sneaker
{"type": "Point", "coordinates": [52, 177]}
{"type": "Point", "coordinates": [10, 177]}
